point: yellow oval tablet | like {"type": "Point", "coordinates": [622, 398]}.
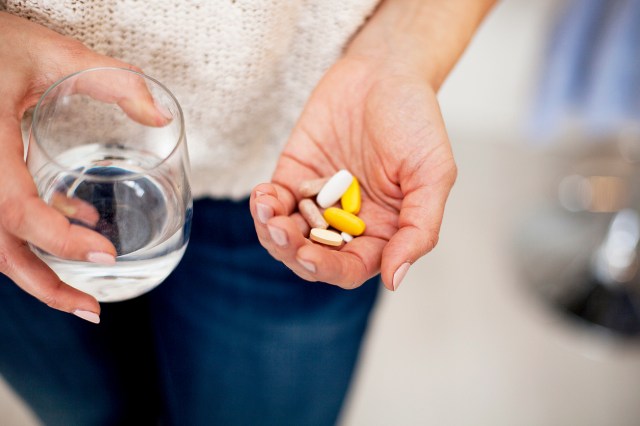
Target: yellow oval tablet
{"type": "Point", "coordinates": [344, 221]}
{"type": "Point", "coordinates": [351, 198]}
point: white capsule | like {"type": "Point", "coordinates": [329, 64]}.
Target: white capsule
{"type": "Point", "coordinates": [333, 190]}
{"type": "Point", "coordinates": [346, 237]}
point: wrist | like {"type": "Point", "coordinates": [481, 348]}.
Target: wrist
{"type": "Point", "coordinates": [425, 37]}
{"type": "Point", "coordinates": [405, 57]}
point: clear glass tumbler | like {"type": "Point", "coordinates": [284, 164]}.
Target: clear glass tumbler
{"type": "Point", "coordinates": [107, 149]}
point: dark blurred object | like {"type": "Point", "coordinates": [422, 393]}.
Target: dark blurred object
{"type": "Point", "coordinates": [610, 293]}
{"type": "Point", "coordinates": [582, 254]}
{"type": "Point", "coordinates": [614, 308]}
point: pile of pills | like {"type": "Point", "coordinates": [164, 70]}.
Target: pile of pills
{"type": "Point", "coordinates": [343, 187]}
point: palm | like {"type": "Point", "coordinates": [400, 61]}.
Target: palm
{"type": "Point", "coordinates": [384, 127]}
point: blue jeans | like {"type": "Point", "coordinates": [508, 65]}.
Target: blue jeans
{"type": "Point", "coordinates": [231, 338]}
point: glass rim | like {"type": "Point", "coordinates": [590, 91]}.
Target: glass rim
{"type": "Point", "coordinates": [128, 176]}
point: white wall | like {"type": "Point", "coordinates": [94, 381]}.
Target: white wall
{"type": "Point", "coordinates": [462, 342]}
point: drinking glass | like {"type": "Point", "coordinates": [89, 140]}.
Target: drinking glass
{"type": "Point", "coordinates": [107, 149]}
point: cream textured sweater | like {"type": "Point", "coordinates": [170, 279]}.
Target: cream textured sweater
{"type": "Point", "coordinates": [241, 69]}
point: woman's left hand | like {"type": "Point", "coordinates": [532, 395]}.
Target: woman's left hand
{"type": "Point", "coordinates": [383, 124]}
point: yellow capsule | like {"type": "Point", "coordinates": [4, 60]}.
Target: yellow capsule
{"type": "Point", "coordinates": [344, 221]}
{"type": "Point", "coordinates": [351, 198]}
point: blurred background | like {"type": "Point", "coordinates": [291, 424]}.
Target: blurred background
{"type": "Point", "coordinates": [527, 313]}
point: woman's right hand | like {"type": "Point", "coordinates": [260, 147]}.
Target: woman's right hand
{"type": "Point", "coordinates": [32, 58]}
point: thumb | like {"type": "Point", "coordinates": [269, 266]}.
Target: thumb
{"type": "Point", "coordinates": [34, 57]}
{"type": "Point", "coordinates": [129, 90]}
{"type": "Point", "coordinates": [418, 228]}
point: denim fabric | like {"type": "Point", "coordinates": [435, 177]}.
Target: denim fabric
{"type": "Point", "coordinates": [231, 338]}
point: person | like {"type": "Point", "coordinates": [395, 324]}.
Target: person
{"type": "Point", "coordinates": [237, 334]}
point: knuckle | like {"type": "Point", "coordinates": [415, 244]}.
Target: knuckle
{"type": "Point", "coordinates": [453, 173]}
{"type": "Point", "coordinates": [135, 68]}
{"type": "Point", "coordinates": [351, 280]}
{"type": "Point", "coordinates": [351, 285]}
{"type": "Point", "coordinates": [269, 247]}
{"type": "Point", "coordinates": [76, 47]}
{"type": "Point", "coordinates": [75, 50]}
{"type": "Point", "coordinates": [12, 217]}
{"type": "Point", "coordinates": [61, 246]}
{"type": "Point", "coordinates": [431, 243]}
{"type": "Point", "coordinates": [5, 262]}
{"type": "Point", "coordinates": [50, 296]}
{"type": "Point", "coordinates": [301, 274]}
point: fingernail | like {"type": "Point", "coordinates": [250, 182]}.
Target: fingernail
{"type": "Point", "coordinates": [101, 258]}
{"type": "Point", "coordinates": [260, 194]}
{"type": "Point", "coordinates": [309, 266]}
{"type": "Point", "coordinates": [265, 212]}
{"type": "Point", "coordinates": [278, 236]}
{"type": "Point", "coordinates": [87, 315]}
{"type": "Point", "coordinates": [164, 111]}
{"type": "Point", "coordinates": [399, 275]}
{"type": "Point", "coordinates": [68, 211]}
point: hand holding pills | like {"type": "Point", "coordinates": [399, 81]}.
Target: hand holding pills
{"type": "Point", "coordinates": [382, 126]}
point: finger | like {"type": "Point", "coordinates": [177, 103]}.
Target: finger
{"type": "Point", "coordinates": [26, 216]}
{"type": "Point", "coordinates": [34, 276]}
{"type": "Point", "coordinates": [301, 223]}
{"type": "Point", "coordinates": [283, 242]}
{"type": "Point", "coordinates": [283, 193]}
{"type": "Point", "coordinates": [289, 174]}
{"type": "Point", "coordinates": [348, 267]}
{"type": "Point", "coordinates": [279, 233]}
{"type": "Point", "coordinates": [31, 219]}
{"type": "Point", "coordinates": [266, 203]}
{"type": "Point", "coordinates": [419, 224]}
{"type": "Point", "coordinates": [284, 238]}
{"type": "Point", "coordinates": [129, 91]}
{"type": "Point", "coordinates": [53, 56]}
{"type": "Point", "coordinates": [76, 209]}
{"type": "Point", "coordinates": [264, 208]}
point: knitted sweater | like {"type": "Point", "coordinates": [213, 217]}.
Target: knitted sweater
{"type": "Point", "coordinates": [241, 69]}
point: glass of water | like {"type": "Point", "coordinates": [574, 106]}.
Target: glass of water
{"type": "Point", "coordinates": [107, 149]}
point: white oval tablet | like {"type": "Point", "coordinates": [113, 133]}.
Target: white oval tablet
{"type": "Point", "coordinates": [333, 190]}
{"type": "Point", "coordinates": [346, 237]}
{"type": "Point", "coordinates": [324, 236]}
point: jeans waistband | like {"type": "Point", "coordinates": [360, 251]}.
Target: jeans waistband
{"type": "Point", "coordinates": [225, 222]}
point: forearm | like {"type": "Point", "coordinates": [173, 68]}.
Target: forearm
{"type": "Point", "coordinates": [429, 35]}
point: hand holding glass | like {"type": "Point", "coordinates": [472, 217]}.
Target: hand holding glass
{"type": "Point", "coordinates": [107, 149]}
